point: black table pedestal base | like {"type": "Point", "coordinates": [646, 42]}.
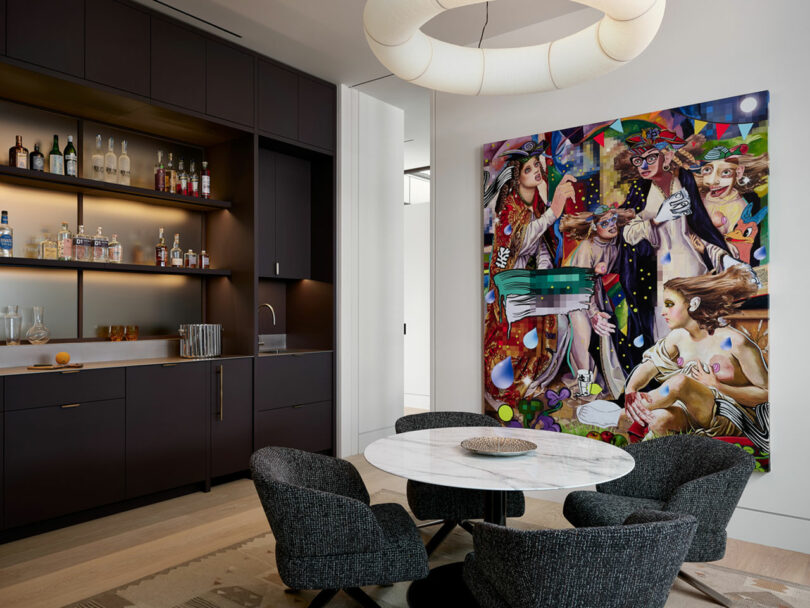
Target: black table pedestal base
{"type": "Point", "coordinates": [444, 586]}
{"type": "Point", "coordinates": [495, 508]}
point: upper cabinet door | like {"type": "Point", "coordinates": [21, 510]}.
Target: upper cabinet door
{"type": "Point", "coordinates": [117, 46]}
{"type": "Point", "coordinates": [229, 83]}
{"type": "Point", "coordinates": [267, 214]}
{"type": "Point", "coordinates": [316, 120]}
{"type": "Point", "coordinates": [278, 100]}
{"type": "Point", "coordinates": [2, 27]}
{"type": "Point", "coordinates": [177, 66]}
{"type": "Point", "coordinates": [49, 33]}
{"type": "Point", "coordinates": [293, 222]}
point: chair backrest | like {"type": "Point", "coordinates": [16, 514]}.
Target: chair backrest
{"type": "Point", "coordinates": [315, 504]}
{"type": "Point", "coordinates": [623, 566]}
{"type": "Point", "coordinates": [440, 420]}
{"type": "Point", "coordinates": [666, 463]}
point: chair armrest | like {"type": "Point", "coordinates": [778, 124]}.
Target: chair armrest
{"type": "Point", "coordinates": [711, 499]}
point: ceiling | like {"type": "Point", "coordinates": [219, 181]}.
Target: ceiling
{"type": "Point", "coordinates": [325, 38]}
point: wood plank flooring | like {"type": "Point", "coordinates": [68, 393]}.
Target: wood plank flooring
{"type": "Point", "coordinates": [63, 566]}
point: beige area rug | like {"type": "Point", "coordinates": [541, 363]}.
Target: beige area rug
{"type": "Point", "coordinates": [245, 576]}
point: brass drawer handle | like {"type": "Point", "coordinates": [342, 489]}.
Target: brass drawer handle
{"type": "Point", "coordinates": [169, 364]}
{"type": "Point", "coordinates": [221, 390]}
{"type": "Point", "coordinates": [64, 407]}
{"type": "Point", "coordinates": [70, 371]}
{"type": "Point", "coordinates": [295, 407]}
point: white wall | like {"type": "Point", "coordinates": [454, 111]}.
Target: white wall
{"type": "Point", "coordinates": [370, 269]}
{"type": "Point", "coordinates": [705, 50]}
{"type": "Point", "coordinates": [417, 304]}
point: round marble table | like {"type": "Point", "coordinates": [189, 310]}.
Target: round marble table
{"type": "Point", "coordinates": [560, 461]}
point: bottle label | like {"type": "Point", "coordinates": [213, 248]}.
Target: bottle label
{"type": "Point", "coordinates": [38, 163]}
{"type": "Point", "coordinates": [67, 248]}
{"type": "Point", "coordinates": [57, 164]}
{"type": "Point", "coordinates": [21, 161]}
{"type": "Point", "coordinates": [6, 242]}
{"type": "Point", "coordinates": [195, 187]}
{"type": "Point", "coordinates": [206, 185]}
{"type": "Point", "coordinates": [71, 165]}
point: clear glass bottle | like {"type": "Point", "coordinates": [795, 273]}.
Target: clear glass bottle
{"type": "Point", "coordinates": [205, 180]}
{"type": "Point", "coordinates": [160, 250]}
{"type": "Point", "coordinates": [194, 181]}
{"type": "Point", "coordinates": [36, 160]}
{"type": "Point", "coordinates": [98, 160]}
{"type": "Point", "coordinates": [71, 159]}
{"type": "Point", "coordinates": [64, 243]}
{"type": "Point", "coordinates": [13, 324]}
{"type": "Point", "coordinates": [124, 165]}
{"type": "Point", "coordinates": [82, 246]}
{"type": "Point", "coordinates": [205, 261]}
{"type": "Point", "coordinates": [18, 156]}
{"type": "Point", "coordinates": [182, 179]}
{"type": "Point", "coordinates": [115, 251]}
{"type": "Point", "coordinates": [6, 236]}
{"type": "Point", "coordinates": [48, 248]}
{"type": "Point", "coordinates": [56, 161]}
{"type": "Point", "coordinates": [111, 163]}
{"type": "Point", "coordinates": [190, 259]}
{"type": "Point", "coordinates": [176, 254]}
{"type": "Point", "coordinates": [99, 246]}
{"type": "Point", "coordinates": [160, 173]}
{"type": "Point", "coordinates": [171, 176]}
{"type": "Point", "coordinates": [38, 333]}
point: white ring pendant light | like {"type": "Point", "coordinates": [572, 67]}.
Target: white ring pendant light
{"type": "Point", "coordinates": [393, 32]}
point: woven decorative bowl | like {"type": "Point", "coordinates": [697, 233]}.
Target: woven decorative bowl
{"type": "Point", "coordinates": [498, 446]}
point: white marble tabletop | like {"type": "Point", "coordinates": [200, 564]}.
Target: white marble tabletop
{"type": "Point", "coordinates": [560, 461]}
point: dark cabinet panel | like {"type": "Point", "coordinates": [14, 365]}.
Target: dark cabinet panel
{"type": "Point", "coordinates": [232, 420]}
{"type": "Point", "coordinates": [292, 380]}
{"type": "Point", "coordinates": [267, 214]}
{"type": "Point", "coordinates": [304, 427]}
{"type": "Point", "coordinates": [316, 118]}
{"type": "Point", "coordinates": [63, 459]}
{"type": "Point", "coordinates": [177, 66]}
{"type": "Point", "coordinates": [229, 91]}
{"type": "Point", "coordinates": [65, 387]}
{"type": "Point", "coordinates": [278, 100]}
{"type": "Point", "coordinates": [2, 463]}
{"type": "Point", "coordinates": [49, 33]}
{"type": "Point", "coordinates": [117, 46]}
{"type": "Point", "coordinates": [293, 227]}
{"type": "Point", "coordinates": [2, 27]}
{"type": "Point", "coordinates": [166, 424]}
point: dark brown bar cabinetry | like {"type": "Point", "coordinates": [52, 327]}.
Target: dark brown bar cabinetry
{"type": "Point", "coordinates": [307, 426]}
{"type": "Point", "coordinates": [166, 426]}
{"type": "Point", "coordinates": [181, 81]}
{"type": "Point", "coordinates": [278, 100]}
{"type": "Point", "coordinates": [231, 415]}
{"type": "Point", "coordinates": [229, 80]}
{"type": "Point", "coordinates": [48, 33]}
{"type": "Point", "coordinates": [316, 118]}
{"type": "Point", "coordinates": [284, 380]}
{"type": "Point", "coordinates": [2, 27]}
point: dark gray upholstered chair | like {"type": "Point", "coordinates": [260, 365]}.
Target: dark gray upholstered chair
{"type": "Point", "coordinates": [681, 473]}
{"type": "Point", "coordinates": [451, 506]}
{"type": "Point", "coordinates": [626, 566]}
{"type": "Point", "coordinates": [327, 535]}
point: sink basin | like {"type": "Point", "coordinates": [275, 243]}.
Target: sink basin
{"type": "Point", "coordinates": [272, 343]}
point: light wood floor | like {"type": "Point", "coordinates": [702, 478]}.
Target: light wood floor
{"type": "Point", "coordinates": [63, 566]}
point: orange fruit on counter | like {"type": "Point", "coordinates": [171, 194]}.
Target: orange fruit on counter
{"type": "Point", "coordinates": [62, 358]}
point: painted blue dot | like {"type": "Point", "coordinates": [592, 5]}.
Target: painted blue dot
{"type": "Point", "coordinates": [638, 342]}
{"type": "Point", "coordinates": [530, 340]}
{"type": "Point", "coordinates": [761, 253]}
{"type": "Point", "coordinates": [726, 345]}
{"type": "Point", "coordinates": [490, 297]}
{"type": "Point", "coordinates": [667, 258]}
{"type": "Point", "coordinates": [664, 390]}
{"type": "Point", "coordinates": [508, 230]}
{"type": "Point", "coordinates": [503, 374]}
{"type": "Point", "coordinates": [486, 281]}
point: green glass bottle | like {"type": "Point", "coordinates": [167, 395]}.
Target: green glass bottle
{"type": "Point", "coordinates": [71, 159]}
{"type": "Point", "coordinates": [57, 161]}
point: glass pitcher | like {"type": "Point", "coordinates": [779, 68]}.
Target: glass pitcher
{"type": "Point", "coordinates": [38, 333]}
{"type": "Point", "coordinates": [13, 324]}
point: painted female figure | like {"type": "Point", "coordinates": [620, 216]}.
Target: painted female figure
{"type": "Point", "coordinates": [713, 378]}
{"type": "Point", "coordinates": [522, 239]}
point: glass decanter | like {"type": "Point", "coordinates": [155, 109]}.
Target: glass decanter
{"type": "Point", "coordinates": [13, 324]}
{"type": "Point", "coordinates": [38, 333]}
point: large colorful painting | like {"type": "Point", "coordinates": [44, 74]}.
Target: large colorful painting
{"type": "Point", "coordinates": [626, 276]}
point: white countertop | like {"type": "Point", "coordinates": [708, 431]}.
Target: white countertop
{"type": "Point", "coordinates": [560, 461]}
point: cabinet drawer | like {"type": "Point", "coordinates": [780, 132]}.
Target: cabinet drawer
{"type": "Point", "coordinates": [59, 388]}
{"type": "Point", "coordinates": [304, 427]}
{"type": "Point", "coordinates": [292, 380]}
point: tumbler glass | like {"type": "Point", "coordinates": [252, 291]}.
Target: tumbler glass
{"type": "Point", "coordinates": [13, 324]}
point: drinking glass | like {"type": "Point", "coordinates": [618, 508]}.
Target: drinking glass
{"type": "Point", "coordinates": [131, 332]}
{"type": "Point", "coordinates": [116, 333]}
{"type": "Point", "coordinates": [13, 324]}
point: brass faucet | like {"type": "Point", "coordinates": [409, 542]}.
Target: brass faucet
{"type": "Point", "coordinates": [272, 310]}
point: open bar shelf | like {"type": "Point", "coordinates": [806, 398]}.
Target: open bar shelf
{"type": "Point", "coordinates": [63, 183]}
{"type": "Point", "coordinates": [106, 267]}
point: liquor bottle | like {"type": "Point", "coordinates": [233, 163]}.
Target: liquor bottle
{"type": "Point", "coordinates": [71, 159]}
{"type": "Point", "coordinates": [98, 160]}
{"type": "Point", "coordinates": [160, 173]}
{"type": "Point", "coordinates": [194, 181]}
{"type": "Point", "coordinates": [111, 163]}
{"type": "Point", "coordinates": [205, 261]}
{"type": "Point", "coordinates": [182, 179]}
{"type": "Point", "coordinates": [115, 251]}
{"type": "Point", "coordinates": [18, 156]}
{"type": "Point", "coordinates": [160, 249]}
{"type": "Point", "coordinates": [124, 165]}
{"type": "Point", "coordinates": [64, 243]}
{"type": "Point", "coordinates": [6, 237]}
{"type": "Point", "coordinates": [206, 180]}
{"type": "Point", "coordinates": [99, 247]}
{"type": "Point", "coordinates": [36, 160]}
{"type": "Point", "coordinates": [171, 175]}
{"type": "Point", "coordinates": [55, 159]}
{"type": "Point", "coordinates": [190, 259]}
{"type": "Point", "coordinates": [47, 248]}
{"type": "Point", "coordinates": [176, 254]}
{"type": "Point", "coordinates": [82, 246]}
